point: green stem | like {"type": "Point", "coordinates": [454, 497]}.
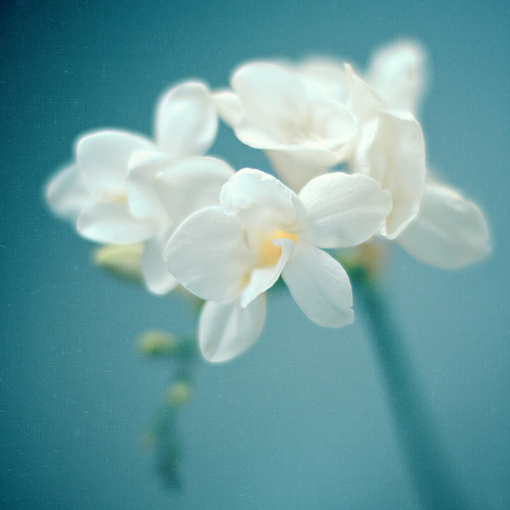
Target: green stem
{"type": "Point", "coordinates": [425, 459]}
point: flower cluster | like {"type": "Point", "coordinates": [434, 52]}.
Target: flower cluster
{"type": "Point", "coordinates": [349, 151]}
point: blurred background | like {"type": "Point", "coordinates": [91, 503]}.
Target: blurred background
{"type": "Point", "coordinates": [301, 420]}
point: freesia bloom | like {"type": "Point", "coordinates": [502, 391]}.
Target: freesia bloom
{"type": "Point", "coordinates": [270, 108]}
{"type": "Point", "coordinates": [232, 253]}
{"type": "Point", "coordinates": [186, 125]}
{"type": "Point", "coordinates": [118, 190]}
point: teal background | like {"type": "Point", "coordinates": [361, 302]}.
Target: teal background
{"type": "Point", "coordinates": [301, 420]}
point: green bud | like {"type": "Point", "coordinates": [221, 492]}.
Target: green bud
{"type": "Point", "coordinates": [156, 342]}
{"type": "Point", "coordinates": [121, 260]}
{"type": "Point", "coordinates": [179, 393]}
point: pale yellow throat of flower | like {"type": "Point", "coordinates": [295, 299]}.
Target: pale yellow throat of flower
{"type": "Point", "coordinates": [119, 198]}
{"type": "Point", "coordinates": [269, 253]}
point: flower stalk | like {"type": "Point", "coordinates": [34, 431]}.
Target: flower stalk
{"type": "Point", "coordinates": [436, 484]}
{"type": "Point", "coordinates": [162, 432]}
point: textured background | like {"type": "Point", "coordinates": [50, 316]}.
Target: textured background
{"type": "Point", "coordinates": [300, 421]}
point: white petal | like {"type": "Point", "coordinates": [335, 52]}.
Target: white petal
{"type": "Point", "coordinates": [327, 139]}
{"type": "Point", "coordinates": [362, 161]}
{"type": "Point", "coordinates": [363, 100]}
{"type": "Point", "coordinates": [252, 194]}
{"type": "Point", "coordinates": [449, 231]}
{"type": "Point", "coordinates": [207, 255]}
{"type": "Point", "coordinates": [103, 159]}
{"type": "Point", "coordinates": [271, 96]}
{"type": "Point", "coordinates": [142, 188]}
{"type": "Point", "coordinates": [343, 210]}
{"type": "Point", "coordinates": [320, 286]}
{"type": "Point", "coordinates": [297, 167]}
{"type": "Point", "coordinates": [192, 184]}
{"type": "Point", "coordinates": [227, 330]}
{"type": "Point", "coordinates": [113, 224]}
{"type": "Point", "coordinates": [264, 278]}
{"type": "Point", "coordinates": [186, 121]}
{"type": "Point", "coordinates": [229, 107]}
{"type": "Point", "coordinates": [66, 193]}
{"type": "Point", "coordinates": [155, 273]}
{"type": "Point", "coordinates": [397, 72]}
{"type": "Point", "coordinates": [326, 78]}
{"type": "Point", "coordinates": [394, 155]}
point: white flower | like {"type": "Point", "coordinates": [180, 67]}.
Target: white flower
{"type": "Point", "coordinates": [389, 144]}
{"type": "Point", "coordinates": [124, 188]}
{"type": "Point", "coordinates": [94, 189]}
{"type": "Point", "coordinates": [270, 108]}
{"type": "Point", "coordinates": [397, 73]}
{"type": "Point", "coordinates": [231, 254]}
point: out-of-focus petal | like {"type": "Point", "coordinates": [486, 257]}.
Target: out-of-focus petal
{"type": "Point", "coordinates": [397, 72]}
{"type": "Point", "coordinates": [113, 224]}
{"type": "Point", "coordinates": [207, 255]}
{"type": "Point", "coordinates": [66, 194]}
{"type": "Point", "coordinates": [343, 210]}
{"type": "Point", "coordinates": [186, 121]}
{"type": "Point", "coordinates": [265, 277]}
{"type": "Point", "coordinates": [325, 126]}
{"type": "Point", "coordinates": [363, 153]}
{"type": "Point", "coordinates": [191, 184]}
{"type": "Point", "coordinates": [271, 96]}
{"type": "Point", "coordinates": [142, 189]}
{"type": "Point", "coordinates": [227, 330]}
{"type": "Point", "coordinates": [449, 231]}
{"type": "Point", "coordinates": [297, 167]}
{"type": "Point", "coordinates": [320, 286]}
{"type": "Point", "coordinates": [326, 78]}
{"type": "Point", "coordinates": [252, 194]}
{"type": "Point", "coordinates": [363, 101]}
{"type": "Point", "coordinates": [103, 158]}
{"type": "Point", "coordinates": [396, 160]}
{"type": "Point", "coordinates": [155, 273]}
{"type": "Point", "coordinates": [229, 107]}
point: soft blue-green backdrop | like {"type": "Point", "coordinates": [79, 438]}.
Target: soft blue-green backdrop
{"type": "Point", "coordinates": [301, 420]}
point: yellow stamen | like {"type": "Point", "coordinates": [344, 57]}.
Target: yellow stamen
{"type": "Point", "coordinates": [269, 253]}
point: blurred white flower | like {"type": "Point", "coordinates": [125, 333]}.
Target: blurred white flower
{"type": "Point", "coordinates": [269, 108]}
{"type": "Point", "coordinates": [186, 125]}
{"type": "Point", "coordinates": [123, 188]}
{"type": "Point", "coordinates": [231, 254]}
{"type": "Point", "coordinates": [398, 73]}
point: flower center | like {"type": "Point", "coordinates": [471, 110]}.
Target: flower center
{"type": "Point", "coordinates": [119, 198]}
{"type": "Point", "coordinates": [269, 253]}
